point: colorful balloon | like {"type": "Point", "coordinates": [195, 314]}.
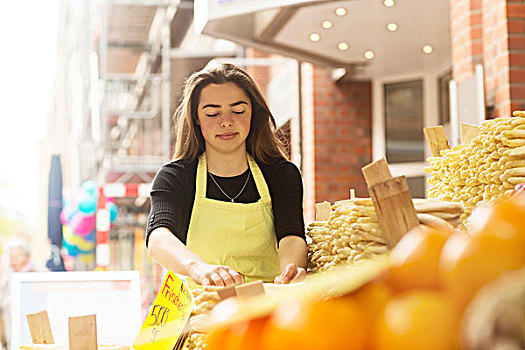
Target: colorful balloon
{"type": "Point", "coordinates": [90, 187]}
{"type": "Point", "coordinates": [63, 217]}
{"type": "Point", "coordinates": [87, 203]}
{"type": "Point", "coordinates": [82, 224]}
{"type": "Point", "coordinates": [71, 250]}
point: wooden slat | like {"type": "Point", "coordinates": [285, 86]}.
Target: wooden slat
{"type": "Point", "coordinates": [392, 201]}
{"type": "Point", "coordinates": [322, 211]}
{"type": "Point", "coordinates": [250, 289]}
{"type": "Point", "coordinates": [227, 292]}
{"type": "Point", "coordinates": [437, 139]}
{"type": "Point", "coordinates": [376, 172]}
{"type": "Point", "coordinates": [40, 328]}
{"type": "Point", "coordinates": [83, 333]}
{"type": "Point", "coordinates": [468, 132]}
{"type": "Point", "coordinates": [394, 208]}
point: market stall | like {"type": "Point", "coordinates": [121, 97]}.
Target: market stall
{"type": "Point", "coordinates": [385, 272]}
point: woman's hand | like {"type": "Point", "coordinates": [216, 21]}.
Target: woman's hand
{"type": "Point", "coordinates": [291, 274]}
{"type": "Point", "coordinates": [214, 275]}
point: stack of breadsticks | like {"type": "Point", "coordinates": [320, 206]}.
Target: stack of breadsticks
{"type": "Point", "coordinates": [352, 233]}
{"type": "Point", "coordinates": [487, 168]}
{"type": "Point", "coordinates": [205, 299]}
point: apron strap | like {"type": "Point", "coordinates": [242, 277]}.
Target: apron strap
{"type": "Point", "coordinates": [202, 177]}
{"type": "Point", "coordinates": [261, 185]}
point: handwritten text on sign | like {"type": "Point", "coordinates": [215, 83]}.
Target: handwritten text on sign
{"type": "Point", "coordinates": [167, 316]}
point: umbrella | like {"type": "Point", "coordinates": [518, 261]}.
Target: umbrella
{"type": "Point", "coordinates": [54, 207]}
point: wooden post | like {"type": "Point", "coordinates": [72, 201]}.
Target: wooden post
{"type": "Point", "coordinates": [468, 132]}
{"type": "Point", "coordinates": [322, 211]}
{"type": "Point", "coordinates": [40, 328]}
{"type": "Point", "coordinates": [437, 139]}
{"type": "Point", "coordinates": [83, 333]}
{"type": "Point", "coordinates": [392, 201]}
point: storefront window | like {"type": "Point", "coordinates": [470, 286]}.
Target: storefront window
{"type": "Point", "coordinates": [404, 122]}
{"type": "Point", "coordinates": [444, 98]}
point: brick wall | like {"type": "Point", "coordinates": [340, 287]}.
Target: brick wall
{"type": "Point", "coordinates": [466, 37]}
{"type": "Point", "coordinates": [491, 32]}
{"type": "Point", "coordinates": [504, 55]}
{"type": "Point", "coordinates": [516, 46]}
{"type": "Point", "coordinates": [337, 138]}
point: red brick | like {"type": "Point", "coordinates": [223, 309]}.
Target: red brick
{"type": "Point", "coordinates": [516, 42]}
{"type": "Point", "coordinates": [516, 10]}
{"type": "Point", "coordinates": [475, 18]}
{"type": "Point", "coordinates": [516, 59]}
{"type": "Point", "coordinates": [517, 91]}
{"type": "Point", "coordinates": [477, 33]}
{"type": "Point", "coordinates": [516, 26]}
{"type": "Point", "coordinates": [517, 75]}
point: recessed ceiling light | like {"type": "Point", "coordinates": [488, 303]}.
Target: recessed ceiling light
{"type": "Point", "coordinates": [427, 49]}
{"type": "Point", "coordinates": [369, 54]}
{"type": "Point", "coordinates": [327, 24]}
{"type": "Point", "coordinates": [343, 46]}
{"type": "Point", "coordinates": [315, 37]}
{"type": "Point", "coordinates": [389, 3]}
{"type": "Point", "coordinates": [340, 11]}
{"type": "Point", "coordinates": [391, 27]}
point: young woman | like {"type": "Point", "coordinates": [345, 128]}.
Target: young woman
{"type": "Point", "coordinates": [228, 209]}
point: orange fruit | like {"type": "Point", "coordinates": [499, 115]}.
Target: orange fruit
{"type": "Point", "coordinates": [245, 335]}
{"type": "Point", "coordinates": [468, 262]}
{"type": "Point", "coordinates": [371, 299]}
{"type": "Point", "coordinates": [329, 325]}
{"type": "Point", "coordinates": [500, 216]}
{"type": "Point", "coordinates": [217, 338]}
{"type": "Point", "coordinates": [417, 319]}
{"type": "Point", "coordinates": [414, 261]}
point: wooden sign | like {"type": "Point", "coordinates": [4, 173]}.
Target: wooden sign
{"type": "Point", "coordinates": [40, 328]}
{"type": "Point", "coordinates": [322, 211]}
{"type": "Point", "coordinates": [83, 333]}
{"type": "Point", "coordinates": [392, 201]}
{"type": "Point", "coordinates": [437, 139]}
{"type": "Point", "coordinates": [166, 324]}
{"type": "Point", "coordinates": [468, 132]}
{"type": "Point", "coordinates": [250, 289]}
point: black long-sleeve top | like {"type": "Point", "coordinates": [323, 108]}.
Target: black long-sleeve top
{"type": "Point", "coordinates": [173, 194]}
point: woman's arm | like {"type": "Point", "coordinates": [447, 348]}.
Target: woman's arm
{"type": "Point", "coordinates": [171, 253]}
{"type": "Point", "coordinates": [293, 255]}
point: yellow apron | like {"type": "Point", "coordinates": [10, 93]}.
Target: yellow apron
{"type": "Point", "coordinates": [239, 235]}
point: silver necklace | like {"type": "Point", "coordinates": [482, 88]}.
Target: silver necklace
{"type": "Point", "coordinates": [232, 199]}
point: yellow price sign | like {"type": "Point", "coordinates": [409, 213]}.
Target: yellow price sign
{"type": "Point", "coordinates": [168, 317]}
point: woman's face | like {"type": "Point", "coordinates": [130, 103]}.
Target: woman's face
{"type": "Point", "coordinates": [224, 115]}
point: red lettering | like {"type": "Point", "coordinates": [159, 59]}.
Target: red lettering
{"type": "Point", "coordinates": [166, 286]}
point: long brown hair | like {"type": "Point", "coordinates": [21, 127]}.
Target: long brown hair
{"type": "Point", "coordinates": [261, 142]}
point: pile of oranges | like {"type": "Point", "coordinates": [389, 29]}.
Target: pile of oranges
{"type": "Point", "coordinates": [417, 304]}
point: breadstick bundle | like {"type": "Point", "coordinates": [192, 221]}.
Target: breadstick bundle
{"type": "Point", "coordinates": [437, 213]}
{"type": "Point", "coordinates": [486, 169]}
{"type": "Point", "coordinates": [205, 299]}
{"type": "Point", "coordinates": [352, 233]}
